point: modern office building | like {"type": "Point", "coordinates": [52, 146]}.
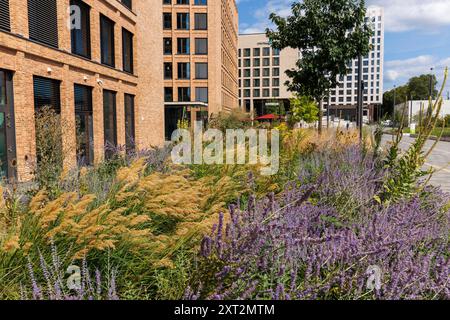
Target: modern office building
{"type": "Point", "coordinates": [344, 99]}
{"type": "Point", "coordinates": [262, 74]}
{"type": "Point", "coordinates": [200, 59]}
{"type": "Point", "coordinates": [98, 63]}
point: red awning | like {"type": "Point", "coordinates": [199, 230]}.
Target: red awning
{"type": "Point", "coordinates": [268, 117]}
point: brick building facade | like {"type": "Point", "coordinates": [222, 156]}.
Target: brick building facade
{"type": "Point", "coordinates": [112, 57]}
{"type": "Point", "coordinates": [200, 59]}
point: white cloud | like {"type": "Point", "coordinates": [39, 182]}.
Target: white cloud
{"type": "Point", "coordinates": [407, 15]}
{"type": "Point", "coordinates": [398, 72]}
{"type": "Point", "coordinates": [261, 15]}
{"type": "Point", "coordinates": [400, 15]}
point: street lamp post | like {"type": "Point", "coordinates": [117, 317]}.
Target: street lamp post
{"type": "Point", "coordinates": [359, 112]}
{"type": "Point", "coordinates": [393, 108]}
{"type": "Point", "coordinates": [431, 83]}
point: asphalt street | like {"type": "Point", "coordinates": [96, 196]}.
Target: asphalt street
{"type": "Point", "coordinates": [439, 159]}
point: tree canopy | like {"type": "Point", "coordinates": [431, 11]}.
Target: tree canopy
{"type": "Point", "coordinates": [329, 34]}
{"type": "Point", "coordinates": [304, 109]}
{"type": "Point", "coordinates": [417, 88]}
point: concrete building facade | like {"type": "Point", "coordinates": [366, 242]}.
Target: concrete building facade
{"type": "Point", "coordinates": [262, 73]}
{"type": "Point", "coordinates": [200, 59]}
{"type": "Point", "coordinates": [344, 99]}
{"type": "Point", "coordinates": [96, 62]}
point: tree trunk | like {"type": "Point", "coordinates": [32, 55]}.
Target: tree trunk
{"type": "Point", "coordinates": [320, 116]}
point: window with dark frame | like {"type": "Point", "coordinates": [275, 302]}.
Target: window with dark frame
{"type": "Point", "coordinates": [184, 94]}
{"type": "Point", "coordinates": [167, 46]}
{"type": "Point", "coordinates": [128, 4]}
{"type": "Point", "coordinates": [183, 45]}
{"type": "Point", "coordinates": [130, 129]}
{"type": "Point", "coordinates": [201, 21]}
{"type": "Point", "coordinates": [107, 41]}
{"type": "Point", "coordinates": [168, 94]}
{"type": "Point", "coordinates": [167, 20]}
{"type": "Point", "coordinates": [201, 46]}
{"type": "Point", "coordinates": [183, 21]}
{"type": "Point", "coordinates": [81, 37]}
{"type": "Point", "coordinates": [84, 125]}
{"type": "Point", "coordinates": [47, 93]}
{"type": "Point", "coordinates": [127, 50]}
{"type": "Point", "coordinates": [109, 123]}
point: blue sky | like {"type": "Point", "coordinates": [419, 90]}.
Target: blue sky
{"type": "Point", "coordinates": [417, 33]}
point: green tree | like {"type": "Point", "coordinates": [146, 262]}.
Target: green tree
{"type": "Point", "coordinates": [401, 95]}
{"type": "Point", "coordinates": [417, 88]}
{"type": "Point", "coordinates": [304, 109]}
{"type": "Point", "coordinates": [329, 34]}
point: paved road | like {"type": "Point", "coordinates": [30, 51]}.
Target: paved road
{"type": "Point", "coordinates": [439, 159]}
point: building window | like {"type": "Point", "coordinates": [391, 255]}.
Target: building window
{"type": "Point", "coordinates": [167, 1]}
{"type": "Point", "coordinates": [266, 62]}
{"type": "Point", "coordinates": [183, 45]}
{"type": "Point", "coordinates": [246, 52]}
{"type": "Point", "coordinates": [266, 51]}
{"type": "Point", "coordinates": [167, 21]}
{"type": "Point", "coordinates": [266, 93]}
{"type": "Point", "coordinates": [256, 62]}
{"type": "Point", "coordinates": [43, 21]}
{"type": "Point", "coordinates": [84, 125]}
{"type": "Point", "coordinates": [275, 72]}
{"type": "Point", "coordinates": [266, 82]}
{"type": "Point", "coordinates": [167, 46]}
{"type": "Point", "coordinates": [127, 50]}
{"type": "Point", "coordinates": [256, 93]}
{"type": "Point", "coordinates": [201, 46]}
{"type": "Point", "coordinates": [107, 41]}
{"type": "Point", "coordinates": [109, 123]}
{"type": "Point", "coordinates": [256, 52]}
{"type": "Point", "coordinates": [276, 61]}
{"type": "Point", "coordinates": [201, 21]}
{"type": "Point", "coordinates": [5, 22]}
{"type": "Point", "coordinates": [275, 52]}
{"type": "Point", "coordinates": [201, 70]}
{"type": "Point", "coordinates": [275, 82]}
{"type": "Point", "coordinates": [256, 72]}
{"type": "Point", "coordinates": [130, 129]}
{"type": "Point", "coordinates": [201, 2]}
{"type": "Point", "coordinates": [182, 1]}
{"type": "Point", "coordinates": [168, 94]}
{"type": "Point", "coordinates": [183, 21]}
{"type": "Point", "coordinates": [184, 70]}
{"type": "Point", "coordinates": [201, 94]}
{"type": "Point", "coordinates": [46, 93]}
{"type": "Point", "coordinates": [168, 72]}
{"type": "Point", "coordinates": [184, 94]}
{"type": "Point", "coordinates": [81, 37]}
{"type": "Point", "coordinates": [128, 4]}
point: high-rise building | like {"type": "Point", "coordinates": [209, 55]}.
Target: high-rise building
{"type": "Point", "coordinates": [262, 74]}
{"type": "Point", "coordinates": [96, 63]}
{"type": "Point", "coordinates": [344, 99]}
{"type": "Point", "coordinates": [200, 59]}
